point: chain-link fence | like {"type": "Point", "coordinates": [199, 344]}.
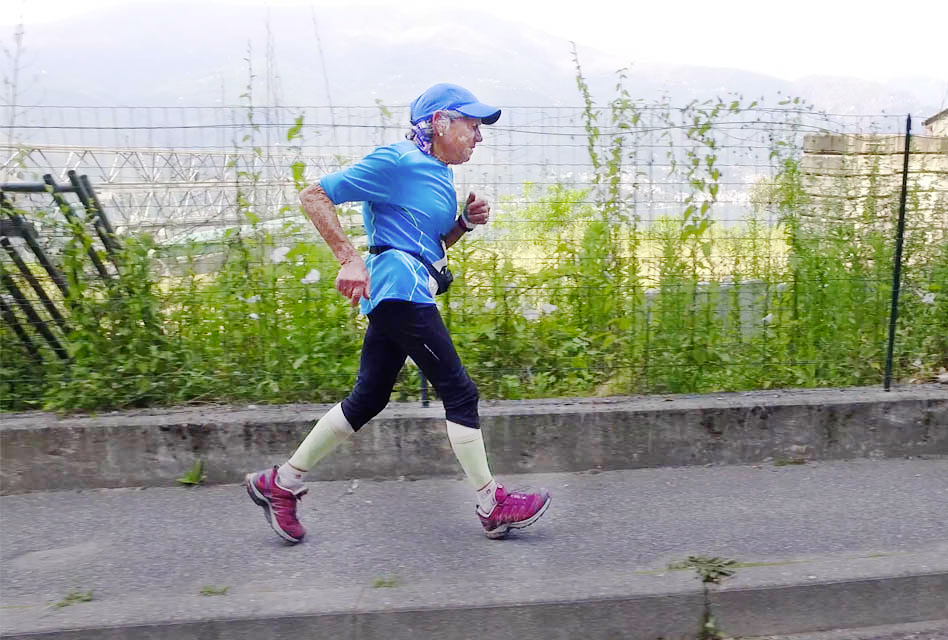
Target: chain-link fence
{"type": "Point", "coordinates": [634, 248]}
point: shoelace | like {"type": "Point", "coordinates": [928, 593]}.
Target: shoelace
{"type": "Point", "coordinates": [521, 504]}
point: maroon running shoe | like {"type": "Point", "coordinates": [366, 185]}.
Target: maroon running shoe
{"type": "Point", "coordinates": [279, 504]}
{"type": "Point", "coordinates": [514, 510]}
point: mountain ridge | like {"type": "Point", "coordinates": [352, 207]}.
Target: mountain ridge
{"type": "Point", "coordinates": [122, 57]}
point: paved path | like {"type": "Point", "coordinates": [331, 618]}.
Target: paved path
{"type": "Point", "coordinates": [404, 559]}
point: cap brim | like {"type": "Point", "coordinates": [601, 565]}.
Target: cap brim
{"type": "Point", "coordinates": [486, 114]}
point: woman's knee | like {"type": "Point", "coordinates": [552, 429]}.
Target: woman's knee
{"type": "Point", "coordinates": [460, 403]}
{"type": "Point", "coordinates": [359, 408]}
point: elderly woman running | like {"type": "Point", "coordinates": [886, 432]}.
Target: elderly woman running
{"type": "Point", "coordinates": [411, 217]}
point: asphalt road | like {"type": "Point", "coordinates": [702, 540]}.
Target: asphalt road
{"type": "Point", "coordinates": [154, 545]}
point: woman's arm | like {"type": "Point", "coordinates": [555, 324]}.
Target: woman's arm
{"type": "Point", "coordinates": [353, 278]}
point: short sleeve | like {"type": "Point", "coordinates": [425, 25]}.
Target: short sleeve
{"type": "Point", "coordinates": [372, 179]}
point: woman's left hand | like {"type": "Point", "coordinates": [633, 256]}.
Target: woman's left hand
{"type": "Point", "coordinates": [476, 210]}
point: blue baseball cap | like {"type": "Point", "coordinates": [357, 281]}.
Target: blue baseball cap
{"type": "Point", "coordinates": [451, 97]}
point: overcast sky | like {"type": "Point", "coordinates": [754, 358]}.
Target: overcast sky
{"type": "Point", "coordinates": [789, 40]}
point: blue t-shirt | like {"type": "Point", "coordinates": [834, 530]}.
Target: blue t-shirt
{"type": "Point", "coordinates": [409, 204]}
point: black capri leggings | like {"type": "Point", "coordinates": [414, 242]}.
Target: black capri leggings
{"type": "Point", "coordinates": [397, 329]}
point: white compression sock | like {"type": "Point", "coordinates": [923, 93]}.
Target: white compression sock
{"type": "Point", "coordinates": [487, 497]}
{"type": "Point", "coordinates": [289, 477]}
{"type": "Point", "coordinates": [327, 433]}
{"type": "Point", "coordinates": [468, 446]}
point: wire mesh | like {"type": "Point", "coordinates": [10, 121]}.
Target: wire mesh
{"type": "Point", "coordinates": [636, 248]}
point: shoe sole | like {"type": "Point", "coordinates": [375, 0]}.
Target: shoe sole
{"type": "Point", "coordinates": [261, 501]}
{"type": "Point", "coordinates": [501, 532]}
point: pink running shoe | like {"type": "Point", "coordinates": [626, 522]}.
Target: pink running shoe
{"type": "Point", "coordinates": [513, 511]}
{"type": "Point", "coordinates": [279, 504]}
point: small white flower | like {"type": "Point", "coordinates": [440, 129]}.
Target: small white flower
{"type": "Point", "coordinates": [254, 316]}
{"type": "Point", "coordinates": [548, 308]}
{"type": "Point", "coordinates": [782, 286]}
{"type": "Point", "coordinates": [490, 304]}
{"type": "Point", "coordinates": [928, 298]}
{"type": "Point", "coordinates": [455, 305]}
{"type": "Point", "coordinates": [299, 263]}
{"type": "Point", "coordinates": [531, 314]}
{"type": "Point", "coordinates": [252, 299]}
{"type": "Point", "coordinates": [278, 255]}
{"type": "Point", "coordinates": [767, 319]}
{"type": "Point", "coordinates": [312, 277]}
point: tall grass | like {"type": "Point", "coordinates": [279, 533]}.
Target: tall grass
{"type": "Point", "coordinates": [581, 297]}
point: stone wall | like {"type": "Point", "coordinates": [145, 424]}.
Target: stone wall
{"type": "Point", "coordinates": [937, 125]}
{"type": "Point", "coordinates": [859, 178]}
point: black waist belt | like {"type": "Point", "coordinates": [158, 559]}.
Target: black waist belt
{"type": "Point", "coordinates": [443, 277]}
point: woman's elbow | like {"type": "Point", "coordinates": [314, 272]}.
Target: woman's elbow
{"type": "Point", "coordinates": [311, 190]}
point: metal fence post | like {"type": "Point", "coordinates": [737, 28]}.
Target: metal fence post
{"type": "Point", "coordinates": [897, 267]}
{"type": "Point", "coordinates": [423, 383]}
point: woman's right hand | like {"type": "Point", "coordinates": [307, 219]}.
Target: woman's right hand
{"type": "Point", "coordinates": [353, 281]}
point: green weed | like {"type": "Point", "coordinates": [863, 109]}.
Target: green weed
{"type": "Point", "coordinates": [784, 462]}
{"type": "Point", "coordinates": [211, 590]}
{"type": "Point", "coordinates": [385, 583]}
{"type": "Point", "coordinates": [708, 569]}
{"type": "Point", "coordinates": [711, 571]}
{"type": "Point", "coordinates": [73, 597]}
{"type": "Point", "coordinates": [195, 475]}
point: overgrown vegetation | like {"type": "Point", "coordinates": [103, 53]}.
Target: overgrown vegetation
{"type": "Point", "coordinates": [585, 295]}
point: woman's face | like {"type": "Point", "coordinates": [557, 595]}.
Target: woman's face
{"type": "Point", "coordinates": [454, 140]}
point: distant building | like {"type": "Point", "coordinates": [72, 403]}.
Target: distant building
{"type": "Point", "coordinates": [937, 125]}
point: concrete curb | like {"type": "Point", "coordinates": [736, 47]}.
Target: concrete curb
{"type": "Point", "coordinates": [42, 451]}
{"type": "Point", "coordinates": [834, 594]}
{"type": "Point", "coordinates": [805, 596]}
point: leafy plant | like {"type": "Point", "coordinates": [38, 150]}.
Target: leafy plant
{"type": "Point", "coordinates": [709, 569]}
{"type": "Point", "coordinates": [195, 476]}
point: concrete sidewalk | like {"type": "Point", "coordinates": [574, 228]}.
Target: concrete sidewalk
{"type": "Point", "coordinates": [823, 545]}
